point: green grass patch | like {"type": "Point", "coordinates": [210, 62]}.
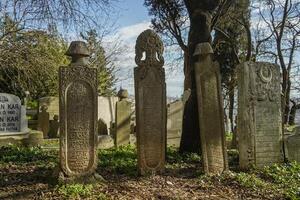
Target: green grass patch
{"type": "Point", "coordinates": [279, 179]}
{"type": "Point", "coordinates": [174, 157]}
{"type": "Point", "coordinates": [122, 160]}
{"type": "Point", "coordinates": [77, 191]}
{"type": "Point", "coordinates": [21, 155]}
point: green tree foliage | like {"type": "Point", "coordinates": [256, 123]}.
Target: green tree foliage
{"type": "Point", "coordinates": [29, 60]}
{"type": "Point", "coordinates": [99, 60]}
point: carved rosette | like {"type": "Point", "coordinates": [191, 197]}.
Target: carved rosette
{"type": "Point", "coordinates": [150, 94]}
{"type": "Point", "coordinates": [78, 117]}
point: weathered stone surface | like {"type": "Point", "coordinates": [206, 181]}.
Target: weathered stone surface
{"type": "Point", "coordinates": [54, 127]}
{"type": "Point", "coordinates": [106, 108]}
{"type": "Point", "coordinates": [150, 98]}
{"type": "Point", "coordinates": [35, 138]}
{"type": "Point", "coordinates": [174, 123]}
{"type": "Point", "coordinates": [78, 117]}
{"type": "Point", "coordinates": [105, 142]}
{"type": "Point", "coordinates": [123, 114]}
{"type": "Point", "coordinates": [259, 115]}
{"type": "Point", "coordinates": [293, 146]}
{"type": "Point", "coordinates": [43, 121]}
{"type": "Point", "coordinates": [210, 107]}
{"type": "Point", "coordinates": [10, 113]}
{"type": "Point", "coordinates": [106, 111]}
{"type": "Point", "coordinates": [52, 104]}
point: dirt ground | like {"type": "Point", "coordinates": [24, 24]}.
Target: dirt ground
{"type": "Point", "coordinates": [29, 181]}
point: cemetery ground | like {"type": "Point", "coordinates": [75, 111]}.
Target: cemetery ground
{"type": "Point", "coordinates": [27, 173]}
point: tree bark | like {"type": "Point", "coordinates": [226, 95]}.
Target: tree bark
{"type": "Point", "coordinates": [200, 31]}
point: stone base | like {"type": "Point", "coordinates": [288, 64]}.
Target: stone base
{"type": "Point", "coordinates": [87, 179]}
{"type": "Point", "coordinates": [15, 138]}
{"type": "Point", "coordinates": [28, 138]}
{"type": "Point", "coordinates": [105, 142]}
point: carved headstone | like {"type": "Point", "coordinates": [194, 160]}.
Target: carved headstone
{"type": "Point", "coordinates": [293, 146]}
{"type": "Point", "coordinates": [210, 108]}
{"type": "Point", "coordinates": [78, 116]}
{"type": "Point", "coordinates": [43, 121]}
{"type": "Point", "coordinates": [12, 114]}
{"type": "Point", "coordinates": [150, 98]}
{"type": "Point", "coordinates": [259, 115]}
{"type": "Point", "coordinates": [54, 127]}
{"type": "Point", "coordinates": [52, 104]}
{"type": "Point", "coordinates": [174, 125]}
{"type": "Point", "coordinates": [123, 114]}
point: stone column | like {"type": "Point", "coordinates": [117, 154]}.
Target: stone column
{"type": "Point", "coordinates": [43, 121]}
{"type": "Point", "coordinates": [150, 102]}
{"type": "Point", "coordinates": [78, 117]}
{"type": "Point", "coordinates": [210, 108]}
{"type": "Point", "coordinates": [259, 119]}
{"type": "Point", "coordinates": [123, 114]}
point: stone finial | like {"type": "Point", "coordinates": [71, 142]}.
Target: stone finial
{"type": "Point", "coordinates": [78, 51]}
{"type": "Point", "coordinates": [149, 46]}
{"type": "Point", "coordinates": [55, 117]}
{"type": "Point", "coordinates": [44, 108]}
{"type": "Point", "coordinates": [203, 48]}
{"type": "Point", "coordinates": [122, 94]}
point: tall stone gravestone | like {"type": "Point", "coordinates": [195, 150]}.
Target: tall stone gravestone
{"type": "Point", "coordinates": [12, 114]}
{"type": "Point", "coordinates": [123, 114]}
{"type": "Point", "coordinates": [259, 114]}
{"type": "Point", "coordinates": [150, 98]}
{"type": "Point", "coordinates": [78, 116]}
{"type": "Point", "coordinates": [210, 108]}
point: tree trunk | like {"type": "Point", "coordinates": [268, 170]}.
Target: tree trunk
{"type": "Point", "coordinates": [200, 30]}
{"type": "Point", "coordinates": [231, 108]}
{"type": "Point", "coordinates": [287, 103]}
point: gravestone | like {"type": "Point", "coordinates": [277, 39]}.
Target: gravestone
{"type": "Point", "coordinates": [43, 121]}
{"type": "Point", "coordinates": [293, 146]}
{"type": "Point", "coordinates": [78, 117]}
{"type": "Point", "coordinates": [54, 127]}
{"type": "Point", "coordinates": [174, 123]}
{"type": "Point", "coordinates": [150, 98]}
{"type": "Point", "coordinates": [123, 114]}
{"type": "Point", "coordinates": [52, 104]}
{"type": "Point", "coordinates": [259, 119]}
{"type": "Point", "coordinates": [12, 114]}
{"type": "Point", "coordinates": [210, 108]}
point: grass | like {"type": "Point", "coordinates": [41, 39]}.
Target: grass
{"type": "Point", "coordinates": [76, 191]}
{"type": "Point", "coordinates": [21, 155]}
{"type": "Point", "coordinates": [279, 179]}
{"type": "Point", "coordinates": [122, 160]}
{"type": "Point", "coordinates": [283, 179]}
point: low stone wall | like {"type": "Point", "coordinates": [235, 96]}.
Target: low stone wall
{"type": "Point", "coordinates": [30, 138]}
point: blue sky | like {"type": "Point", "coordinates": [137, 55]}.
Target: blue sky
{"type": "Point", "coordinates": [133, 19]}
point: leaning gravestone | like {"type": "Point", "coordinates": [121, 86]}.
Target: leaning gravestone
{"type": "Point", "coordinates": [12, 114]}
{"type": "Point", "coordinates": [259, 115]}
{"type": "Point", "coordinates": [150, 97]}
{"type": "Point", "coordinates": [78, 116]}
{"type": "Point", "coordinates": [210, 107]}
{"type": "Point", "coordinates": [123, 114]}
